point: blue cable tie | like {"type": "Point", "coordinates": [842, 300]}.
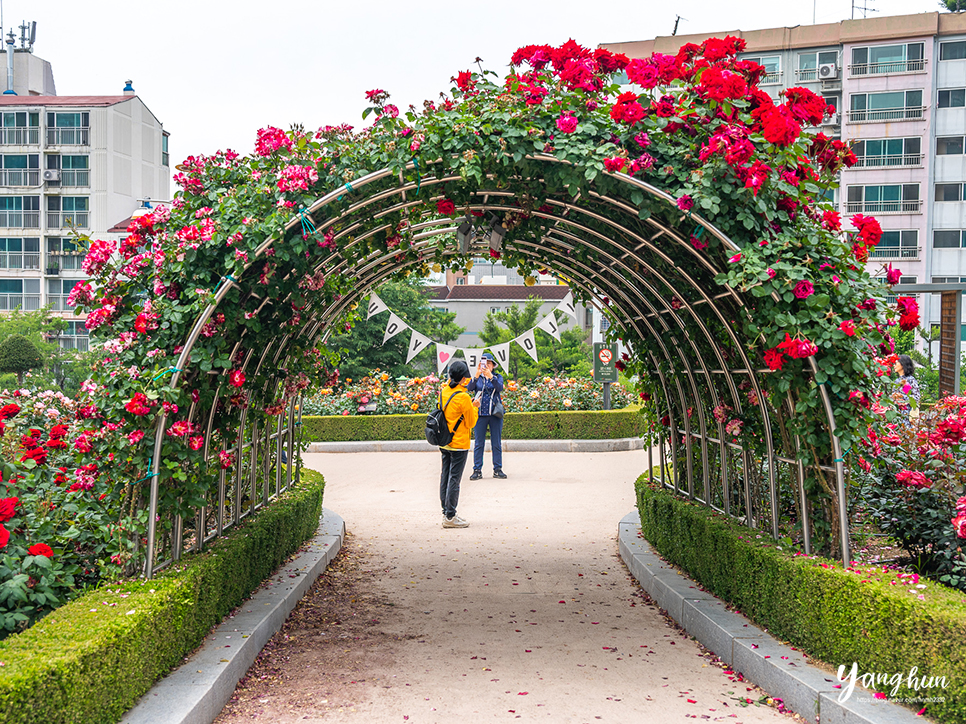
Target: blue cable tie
{"type": "Point", "coordinates": [226, 278]}
{"type": "Point", "coordinates": [149, 475]}
{"type": "Point", "coordinates": [349, 186]}
{"type": "Point", "coordinates": [308, 227]}
{"type": "Point", "coordinates": [419, 179]}
{"type": "Point", "coordinates": [170, 369]}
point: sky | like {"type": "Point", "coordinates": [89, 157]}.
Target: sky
{"type": "Point", "coordinates": [215, 71]}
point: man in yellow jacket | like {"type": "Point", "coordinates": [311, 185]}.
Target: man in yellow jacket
{"type": "Point", "coordinates": [461, 415]}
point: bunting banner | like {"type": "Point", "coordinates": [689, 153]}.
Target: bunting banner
{"type": "Point", "coordinates": [549, 325]}
{"type": "Point", "coordinates": [528, 343]}
{"type": "Point", "coordinates": [502, 354]}
{"type": "Point", "coordinates": [417, 343]}
{"type": "Point", "coordinates": [376, 305]}
{"type": "Point", "coordinates": [472, 357]}
{"type": "Point", "coordinates": [444, 354]}
{"type": "Point", "coordinates": [395, 326]}
{"type": "Point", "coordinates": [567, 305]}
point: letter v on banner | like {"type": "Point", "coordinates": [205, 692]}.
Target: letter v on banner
{"type": "Point", "coordinates": [376, 305]}
{"type": "Point", "coordinates": [549, 325]}
{"type": "Point", "coordinates": [417, 343]}
{"type": "Point", "coordinates": [394, 327]}
{"type": "Point", "coordinates": [567, 305]}
{"type": "Point", "coordinates": [502, 354]}
{"type": "Point", "coordinates": [529, 345]}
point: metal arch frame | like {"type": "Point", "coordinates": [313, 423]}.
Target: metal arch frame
{"type": "Point", "coordinates": [357, 185]}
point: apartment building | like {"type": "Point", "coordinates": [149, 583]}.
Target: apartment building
{"type": "Point", "coordinates": [68, 165]}
{"type": "Point", "coordinates": [899, 84]}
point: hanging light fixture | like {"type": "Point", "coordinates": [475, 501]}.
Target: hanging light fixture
{"type": "Point", "coordinates": [497, 232]}
{"type": "Point", "coordinates": [464, 235]}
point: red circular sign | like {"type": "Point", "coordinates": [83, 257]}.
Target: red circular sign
{"type": "Point", "coordinates": [605, 356]}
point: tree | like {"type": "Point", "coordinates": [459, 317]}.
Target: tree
{"type": "Point", "coordinates": [953, 6]}
{"type": "Point", "coordinates": [570, 356]}
{"type": "Point", "coordinates": [62, 368]}
{"type": "Point", "coordinates": [18, 355]}
{"type": "Point", "coordinates": [362, 349]}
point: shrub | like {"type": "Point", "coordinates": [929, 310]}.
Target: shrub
{"type": "Point", "coordinates": [18, 355]}
{"type": "Point", "coordinates": [880, 619]}
{"type": "Point", "coordinates": [89, 661]}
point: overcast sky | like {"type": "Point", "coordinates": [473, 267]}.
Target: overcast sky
{"type": "Point", "coordinates": [214, 71]}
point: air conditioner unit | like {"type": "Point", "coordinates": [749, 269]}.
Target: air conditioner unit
{"type": "Point", "coordinates": [834, 120]}
{"type": "Point", "coordinates": [52, 174]}
{"type": "Point", "coordinates": [827, 71]}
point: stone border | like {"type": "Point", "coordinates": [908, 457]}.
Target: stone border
{"type": "Point", "coordinates": [778, 669]}
{"type": "Point", "coordinates": [197, 691]}
{"type": "Point", "coordinates": [584, 446]}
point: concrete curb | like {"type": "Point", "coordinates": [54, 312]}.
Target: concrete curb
{"type": "Point", "coordinates": [778, 669]}
{"type": "Point", "coordinates": [584, 446]}
{"type": "Point", "coordinates": [197, 691]}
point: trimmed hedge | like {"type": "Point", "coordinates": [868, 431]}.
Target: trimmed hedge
{"type": "Point", "coordinates": [581, 425]}
{"type": "Point", "coordinates": [839, 616]}
{"type": "Point", "coordinates": [89, 661]}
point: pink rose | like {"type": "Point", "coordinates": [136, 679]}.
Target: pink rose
{"type": "Point", "coordinates": [567, 124]}
{"type": "Point", "coordinates": [804, 289]}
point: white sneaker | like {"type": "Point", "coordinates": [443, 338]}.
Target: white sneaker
{"type": "Point", "coordinates": [455, 522]}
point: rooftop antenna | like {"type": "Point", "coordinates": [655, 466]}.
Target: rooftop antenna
{"type": "Point", "coordinates": [677, 20]}
{"type": "Point", "coordinates": [23, 34]}
{"type": "Point", "coordinates": [864, 8]}
{"type": "Point", "coordinates": [33, 35]}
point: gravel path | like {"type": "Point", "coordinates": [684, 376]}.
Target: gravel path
{"type": "Point", "coordinates": [527, 614]}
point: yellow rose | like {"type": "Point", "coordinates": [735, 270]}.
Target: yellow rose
{"type": "Point", "coordinates": [529, 281]}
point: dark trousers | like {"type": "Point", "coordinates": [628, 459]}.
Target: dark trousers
{"type": "Point", "coordinates": [496, 441]}
{"type": "Point", "coordinates": [449, 480]}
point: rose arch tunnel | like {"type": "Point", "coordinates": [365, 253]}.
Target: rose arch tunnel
{"type": "Point", "coordinates": [623, 245]}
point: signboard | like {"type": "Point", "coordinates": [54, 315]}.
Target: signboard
{"type": "Point", "coordinates": [605, 357]}
{"type": "Point", "coordinates": [949, 341]}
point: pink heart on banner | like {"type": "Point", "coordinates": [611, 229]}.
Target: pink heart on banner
{"type": "Point", "coordinates": [443, 356]}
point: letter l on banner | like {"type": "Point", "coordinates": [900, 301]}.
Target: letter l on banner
{"type": "Point", "coordinates": [549, 325]}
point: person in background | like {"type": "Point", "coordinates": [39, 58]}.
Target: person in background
{"type": "Point", "coordinates": [907, 388]}
{"type": "Point", "coordinates": [461, 414]}
{"type": "Point", "coordinates": [490, 384]}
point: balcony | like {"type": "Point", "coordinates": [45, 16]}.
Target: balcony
{"type": "Point", "coordinates": [68, 136]}
{"type": "Point", "coordinates": [913, 206]}
{"type": "Point", "coordinates": [20, 136]}
{"type": "Point", "coordinates": [58, 303]}
{"type": "Point", "coordinates": [888, 253]}
{"type": "Point", "coordinates": [804, 75]}
{"type": "Point", "coordinates": [66, 261]}
{"type": "Point", "coordinates": [20, 219]}
{"type": "Point", "coordinates": [19, 177]}
{"type": "Point", "coordinates": [19, 260]}
{"type": "Point", "coordinates": [80, 177]}
{"type": "Point", "coordinates": [78, 344]}
{"type": "Point", "coordinates": [902, 160]}
{"type": "Point", "coordinates": [26, 302]}
{"type": "Point", "coordinates": [771, 78]}
{"type": "Point", "coordinates": [892, 66]}
{"type": "Point", "coordinates": [67, 219]}
{"type": "Point", "coordinates": [885, 115]}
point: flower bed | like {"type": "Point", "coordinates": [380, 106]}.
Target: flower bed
{"type": "Point", "coordinates": [602, 425]}
{"type": "Point", "coordinates": [881, 619]}
{"type": "Point", "coordinates": [418, 395]}
{"type": "Point", "coordinates": [90, 661]}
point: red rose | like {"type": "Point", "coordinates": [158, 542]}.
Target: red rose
{"type": "Point", "coordinates": [8, 507]}
{"type": "Point", "coordinates": [236, 378]}
{"type": "Point", "coordinates": [8, 411]}
{"type": "Point", "coordinates": [4, 536]}
{"type": "Point", "coordinates": [445, 207]}
{"type": "Point", "coordinates": [614, 165]}
{"type": "Point", "coordinates": [41, 549]}
{"type": "Point", "coordinates": [774, 359]}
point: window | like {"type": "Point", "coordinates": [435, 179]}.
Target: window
{"type": "Point", "coordinates": [57, 292]}
{"type": "Point", "coordinates": [68, 129]}
{"type": "Point", "coordinates": [20, 212]}
{"type": "Point", "coordinates": [955, 98]}
{"type": "Point", "coordinates": [773, 68]}
{"type": "Point", "coordinates": [947, 238]}
{"type": "Point", "coordinates": [589, 317]}
{"type": "Point", "coordinates": [66, 211]}
{"type": "Point", "coordinates": [495, 310]}
{"type": "Point", "coordinates": [881, 59]}
{"type": "Point", "coordinates": [949, 192]}
{"type": "Point", "coordinates": [23, 293]}
{"type": "Point", "coordinates": [460, 281]}
{"type": "Point", "coordinates": [889, 106]}
{"type": "Point", "coordinates": [891, 199]}
{"type": "Point", "coordinates": [20, 169]}
{"type": "Point", "coordinates": [164, 149]}
{"type": "Point", "coordinates": [20, 128]}
{"type": "Point", "coordinates": [888, 152]}
{"type": "Point", "coordinates": [949, 146]}
{"type": "Point", "coordinates": [74, 170]}
{"type": "Point", "coordinates": [808, 63]}
{"type": "Point", "coordinates": [952, 51]}
{"type": "Point", "coordinates": [19, 253]}
{"type": "Point", "coordinates": [947, 280]}
{"type": "Point", "coordinates": [832, 101]}
{"type": "Point", "coordinates": [64, 254]}
{"type": "Point", "coordinates": [903, 244]}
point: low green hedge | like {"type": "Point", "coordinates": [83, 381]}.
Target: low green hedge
{"type": "Point", "coordinates": [583, 425]}
{"type": "Point", "coordinates": [90, 660]}
{"type": "Point", "coordinates": [839, 616]}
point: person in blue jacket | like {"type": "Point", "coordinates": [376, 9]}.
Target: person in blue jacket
{"type": "Point", "coordinates": [490, 384]}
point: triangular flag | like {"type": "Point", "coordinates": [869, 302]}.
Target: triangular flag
{"type": "Point", "coordinates": [376, 305]}
{"type": "Point", "coordinates": [395, 326]}
{"type": "Point", "coordinates": [472, 357]}
{"type": "Point", "coordinates": [502, 354]}
{"type": "Point", "coordinates": [529, 345]}
{"type": "Point", "coordinates": [567, 305]}
{"type": "Point", "coordinates": [417, 343]}
{"type": "Point", "coordinates": [549, 324]}
{"type": "Point", "coordinates": [444, 353]}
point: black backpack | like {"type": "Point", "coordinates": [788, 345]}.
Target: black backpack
{"type": "Point", "coordinates": [437, 430]}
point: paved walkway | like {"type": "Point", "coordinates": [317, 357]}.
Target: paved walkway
{"type": "Point", "coordinates": [527, 614]}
